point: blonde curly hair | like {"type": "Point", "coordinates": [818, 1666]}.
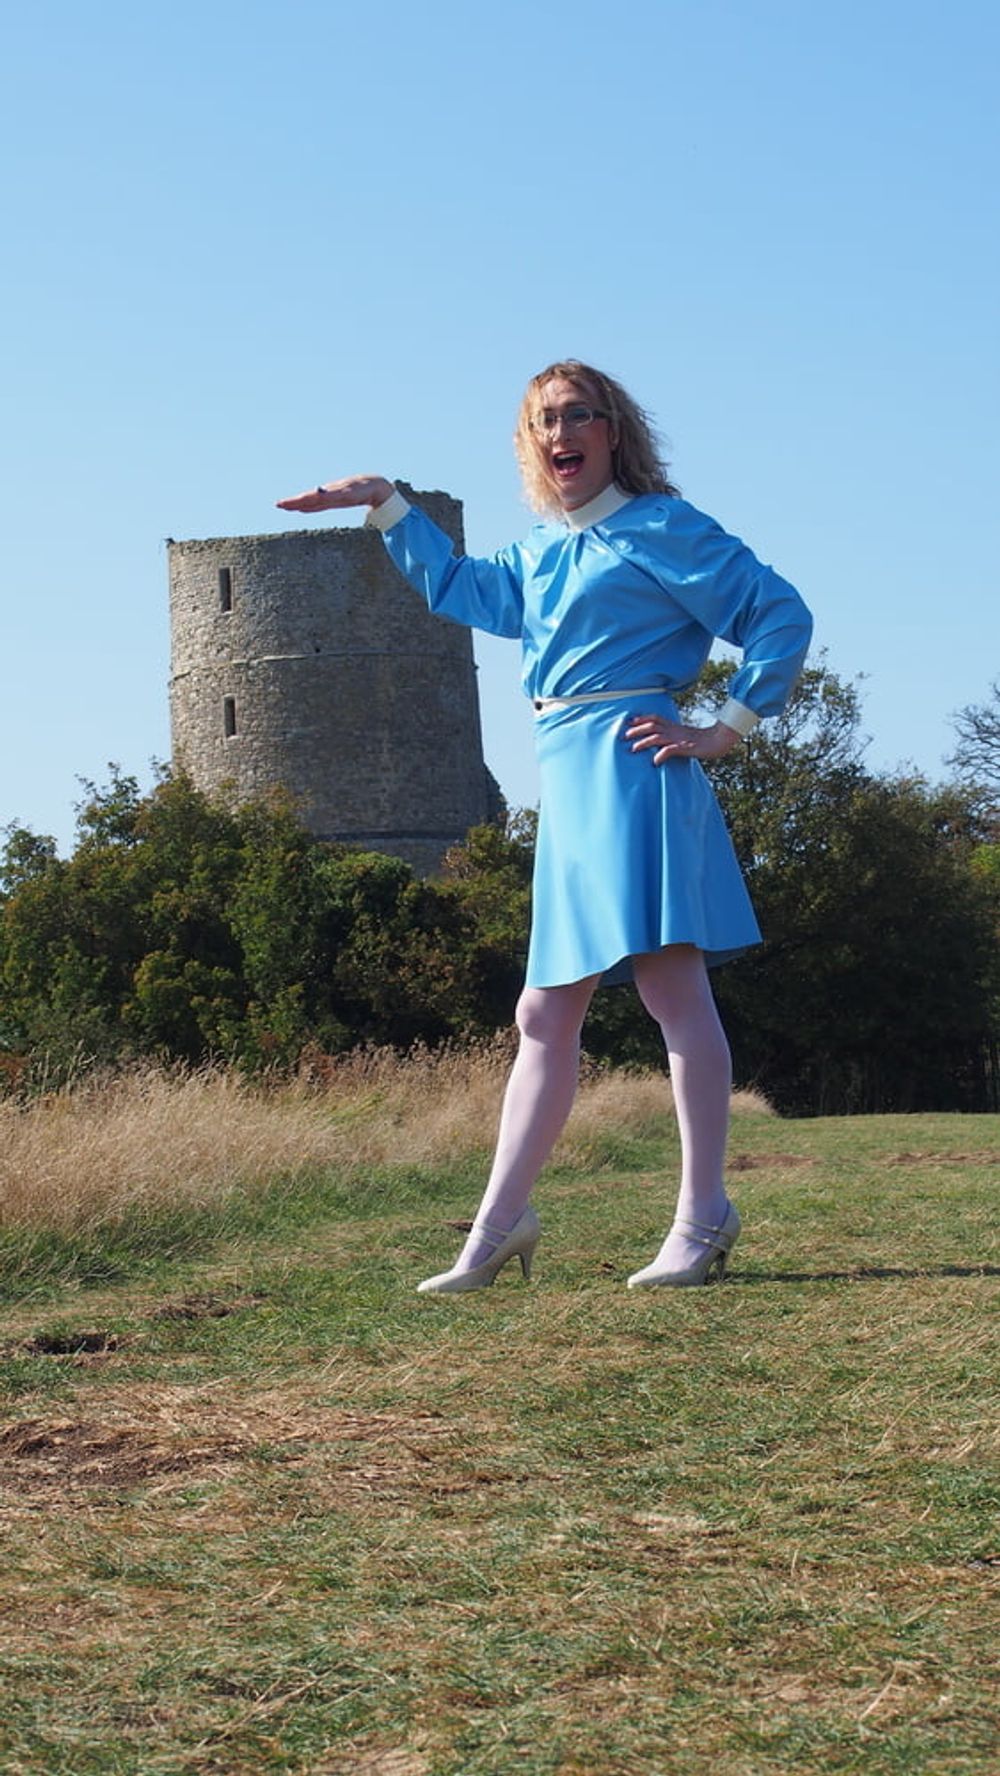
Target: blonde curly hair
{"type": "Point", "coordinates": [635, 454]}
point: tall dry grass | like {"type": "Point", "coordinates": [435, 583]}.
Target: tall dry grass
{"type": "Point", "coordinates": [153, 1139]}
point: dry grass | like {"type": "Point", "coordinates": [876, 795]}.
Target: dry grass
{"type": "Point", "coordinates": [155, 1139]}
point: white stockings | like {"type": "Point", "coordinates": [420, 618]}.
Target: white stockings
{"type": "Point", "coordinates": [538, 1099]}
{"type": "Point", "coordinates": [673, 985]}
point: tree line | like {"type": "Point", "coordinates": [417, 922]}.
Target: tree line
{"type": "Point", "coordinates": [185, 929]}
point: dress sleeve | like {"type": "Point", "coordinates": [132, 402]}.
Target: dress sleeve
{"type": "Point", "coordinates": [481, 594]}
{"type": "Point", "coordinates": [719, 582]}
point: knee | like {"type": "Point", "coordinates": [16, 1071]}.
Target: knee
{"type": "Point", "coordinates": [550, 1016]}
{"type": "Point", "coordinates": [655, 1002]}
{"type": "Point", "coordinates": [672, 982]}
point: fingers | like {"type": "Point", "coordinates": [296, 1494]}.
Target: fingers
{"type": "Point", "coordinates": [313, 501]}
{"type": "Point", "coordinates": [665, 739]}
{"type": "Point", "coordinates": [647, 731]}
{"type": "Point", "coordinates": [671, 739]}
{"type": "Point", "coordinates": [648, 724]}
{"type": "Point", "coordinates": [322, 498]}
{"type": "Point", "coordinates": [354, 490]}
{"type": "Point", "coordinates": [665, 742]}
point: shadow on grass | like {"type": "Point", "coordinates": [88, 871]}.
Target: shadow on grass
{"type": "Point", "coordinates": [864, 1273]}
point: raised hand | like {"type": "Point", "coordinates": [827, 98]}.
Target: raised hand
{"type": "Point", "coordinates": [676, 740]}
{"type": "Point", "coordinates": [354, 490]}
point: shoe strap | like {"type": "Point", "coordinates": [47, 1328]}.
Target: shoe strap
{"type": "Point", "coordinates": [696, 1230]}
{"type": "Point", "coordinates": [491, 1233]}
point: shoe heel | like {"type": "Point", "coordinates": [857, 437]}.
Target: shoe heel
{"type": "Point", "coordinates": [526, 1258]}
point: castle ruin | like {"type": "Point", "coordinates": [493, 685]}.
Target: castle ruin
{"type": "Point", "coordinates": [304, 660]}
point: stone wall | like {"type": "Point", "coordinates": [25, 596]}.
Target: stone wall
{"type": "Point", "coordinates": [304, 660]}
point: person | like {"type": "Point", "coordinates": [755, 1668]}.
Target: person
{"type": "Point", "coordinates": [616, 596]}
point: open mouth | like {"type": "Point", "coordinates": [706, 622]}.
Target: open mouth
{"type": "Point", "coordinates": [567, 463]}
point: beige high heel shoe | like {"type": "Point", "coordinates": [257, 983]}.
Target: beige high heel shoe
{"type": "Point", "coordinates": [718, 1243]}
{"type": "Point", "coordinates": [520, 1242]}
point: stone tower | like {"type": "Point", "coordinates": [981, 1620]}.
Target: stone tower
{"type": "Point", "coordinates": [305, 660]}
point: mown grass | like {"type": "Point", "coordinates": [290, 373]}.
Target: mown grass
{"type": "Point", "coordinates": [266, 1510]}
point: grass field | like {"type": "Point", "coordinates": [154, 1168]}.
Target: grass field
{"type": "Point", "coordinates": [264, 1509]}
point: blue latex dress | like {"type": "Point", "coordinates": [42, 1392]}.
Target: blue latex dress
{"type": "Point", "coordinates": [631, 856]}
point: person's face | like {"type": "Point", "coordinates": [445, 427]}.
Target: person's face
{"type": "Point", "coordinates": [577, 458]}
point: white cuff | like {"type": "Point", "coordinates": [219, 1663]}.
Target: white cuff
{"type": "Point", "coordinates": [738, 717]}
{"type": "Point", "coordinates": [383, 517]}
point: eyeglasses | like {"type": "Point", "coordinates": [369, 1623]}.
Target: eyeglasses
{"type": "Point", "coordinates": [573, 418]}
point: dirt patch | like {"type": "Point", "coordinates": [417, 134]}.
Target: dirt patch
{"type": "Point", "coordinates": [91, 1343]}
{"type": "Point", "coordinates": [206, 1307]}
{"type": "Point", "coordinates": [68, 1344]}
{"type": "Point", "coordinates": [183, 1432]}
{"type": "Point", "coordinates": [70, 1455]}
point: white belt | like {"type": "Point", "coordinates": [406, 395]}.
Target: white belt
{"type": "Point", "coordinates": [545, 703]}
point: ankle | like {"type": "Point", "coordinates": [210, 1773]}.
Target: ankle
{"type": "Point", "coordinates": [707, 1208]}
{"type": "Point", "coordinates": [489, 1232]}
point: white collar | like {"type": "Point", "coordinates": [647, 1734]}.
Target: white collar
{"type": "Point", "coordinates": [610, 499]}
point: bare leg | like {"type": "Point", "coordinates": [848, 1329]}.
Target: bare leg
{"type": "Point", "coordinates": [538, 1099]}
{"type": "Point", "coordinates": [674, 987]}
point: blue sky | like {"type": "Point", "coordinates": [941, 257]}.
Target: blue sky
{"type": "Point", "coordinates": [253, 246]}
